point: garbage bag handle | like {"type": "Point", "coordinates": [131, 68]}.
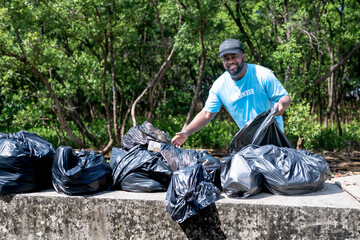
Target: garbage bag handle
{"type": "Point", "coordinates": [274, 111]}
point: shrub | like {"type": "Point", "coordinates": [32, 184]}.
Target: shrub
{"type": "Point", "coordinates": [330, 140]}
{"type": "Point", "coordinates": [216, 135]}
{"type": "Point", "coordinates": [302, 126]}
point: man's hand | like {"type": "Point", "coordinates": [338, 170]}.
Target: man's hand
{"type": "Point", "coordinates": [179, 139]}
{"type": "Point", "coordinates": [280, 109]}
{"type": "Point", "coordinates": [200, 121]}
{"type": "Point", "coordinates": [282, 105]}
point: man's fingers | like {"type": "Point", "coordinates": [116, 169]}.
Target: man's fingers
{"type": "Point", "coordinates": [280, 109]}
{"type": "Point", "coordinates": [175, 141]}
{"type": "Point", "coordinates": [179, 139]}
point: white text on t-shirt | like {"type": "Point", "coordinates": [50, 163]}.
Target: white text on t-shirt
{"type": "Point", "coordinates": [246, 93]}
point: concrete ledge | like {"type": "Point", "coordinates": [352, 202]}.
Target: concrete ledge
{"type": "Point", "coordinates": [328, 214]}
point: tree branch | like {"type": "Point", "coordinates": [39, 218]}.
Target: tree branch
{"type": "Point", "coordinates": [337, 65]}
{"type": "Point", "coordinates": [237, 20]}
{"type": "Point", "coordinates": [158, 75]}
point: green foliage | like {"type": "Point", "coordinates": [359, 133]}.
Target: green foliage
{"type": "Point", "coordinates": [216, 135]}
{"type": "Point", "coordinates": [301, 124]}
{"type": "Point", "coordinates": [330, 140]}
{"type": "Point", "coordinates": [68, 43]}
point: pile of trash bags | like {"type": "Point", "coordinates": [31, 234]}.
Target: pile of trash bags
{"type": "Point", "coordinates": [260, 157]}
{"type": "Point", "coordinates": [28, 163]}
{"type": "Point", "coordinates": [282, 170]}
{"type": "Point", "coordinates": [148, 162]}
{"type": "Point", "coordinates": [134, 167]}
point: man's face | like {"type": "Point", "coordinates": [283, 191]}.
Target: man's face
{"type": "Point", "coordinates": [234, 63]}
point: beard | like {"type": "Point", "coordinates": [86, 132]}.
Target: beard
{"type": "Point", "coordinates": [234, 72]}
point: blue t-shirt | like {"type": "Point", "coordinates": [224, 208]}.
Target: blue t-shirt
{"type": "Point", "coordinates": [246, 98]}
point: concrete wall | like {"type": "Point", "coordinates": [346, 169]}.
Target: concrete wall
{"type": "Point", "coordinates": [328, 214]}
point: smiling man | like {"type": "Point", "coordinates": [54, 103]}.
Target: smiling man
{"type": "Point", "coordinates": [246, 90]}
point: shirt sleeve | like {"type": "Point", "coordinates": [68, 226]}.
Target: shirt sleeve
{"type": "Point", "coordinates": [274, 89]}
{"type": "Point", "coordinates": [213, 102]}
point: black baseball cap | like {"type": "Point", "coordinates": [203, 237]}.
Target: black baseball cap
{"type": "Point", "coordinates": [230, 46]}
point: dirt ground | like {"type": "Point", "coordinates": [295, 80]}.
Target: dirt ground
{"type": "Point", "coordinates": [343, 163]}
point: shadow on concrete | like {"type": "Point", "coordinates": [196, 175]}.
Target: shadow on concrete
{"type": "Point", "coordinates": [204, 225]}
{"type": "Point", "coordinates": [328, 189]}
{"type": "Point", "coordinates": [7, 198]}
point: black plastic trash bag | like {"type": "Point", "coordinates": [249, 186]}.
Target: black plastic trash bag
{"type": "Point", "coordinates": [288, 171]}
{"type": "Point", "coordinates": [142, 134]}
{"type": "Point", "coordinates": [139, 170]}
{"type": "Point", "coordinates": [25, 162]}
{"type": "Point", "coordinates": [180, 158]}
{"type": "Point", "coordinates": [238, 178]}
{"type": "Point", "coordinates": [262, 130]}
{"type": "Point", "coordinates": [190, 190]}
{"type": "Point", "coordinates": [80, 173]}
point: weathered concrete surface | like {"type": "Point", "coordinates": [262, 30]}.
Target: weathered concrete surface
{"type": "Point", "coordinates": [350, 184]}
{"type": "Point", "coordinates": [328, 214]}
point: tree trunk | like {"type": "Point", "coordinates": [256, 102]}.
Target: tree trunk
{"type": "Point", "coordinates": [200, 76]}
{"type": "Point", "coordinates": [153, 90]}
{"type": "Point", "coordinates": [330, 100]}
{"type": "Point", "coordinates": [158, 76]}
{"type": "Point", "coordinates": [334, 67]}
{"type": "Point", "coordinates": [114, 93]}
{"type": "Point", "coordinates": [288, 36]}
{"type": "Point", "coordinates": [75, 114]}
{"type": "Point", "coordinates": [300, 143]}
{"type": "Point", "coordinates": [59, 109]}
{"type": "Point", "coordinates": [110, 143]}
{"type": "Point", "coordinates": [152, 102]}
{"type": "Point", "coordinates": [242, 29]}
{"type": "Point", "coordinates": [80, 124]}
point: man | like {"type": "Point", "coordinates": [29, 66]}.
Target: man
{"type": "Point", "coordinates": [246, 90]}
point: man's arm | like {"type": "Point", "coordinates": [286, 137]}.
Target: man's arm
{"type": "Point", "coordinates": [282, 105]}
{"type": "Point", "coordinates": [200, 121]}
